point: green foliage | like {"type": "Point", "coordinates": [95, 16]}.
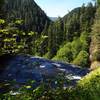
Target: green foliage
{"type": "Point", "coordinates": [39, 45]}
{"type": "Point", "coordinates": [76, 47]}
{"type": "Point", "coordinates": [48, 37]}
{"type": "Point", "coordinates": [55, 37]}
{"type": "Point", "coordinates": [19, 22]}
{"type": "Point", "coordinates": [79, 20]}
{"type": "Point", "coordinates": [47, 55]}
{"type": "Point", "coordinates": [85, 40]}
{"type": "Point", "coordinates": [9, 35]}
{"type": "Point", "coordinates": [73, 27]}
{"type": "Point", "coordinates": [64, 53]}
{"type": "Point", "coordinates": [98, 2]}
{"type": "Point", "coordinates": [14, 40]}
{"type": "Point", "coordinates": [75, 52]}
{"type": "Point", "coordinates": [73, 31]}
{"type": "Point", "coordinates": [2, 21]}
{"type": "Point", "coordinates": [88, 88]}
{"type": "Point", "coordinates": [82, 59]}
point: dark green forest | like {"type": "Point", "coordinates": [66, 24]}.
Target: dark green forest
{"type": "Point", "coordinates": [74, 38]}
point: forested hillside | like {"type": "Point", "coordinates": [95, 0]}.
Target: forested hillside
{"type": "Point", "coordinates": [34, 18]}
{"type": "Point", "coordinates": [27, 32]}
{"type": "Point", "coordinates": [21, 24]}
{"type": "Point", "coordinates": [69, 37]}
{"type": "Point", "coordinates": [25, 28]}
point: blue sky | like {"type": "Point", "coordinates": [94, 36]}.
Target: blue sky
{"type": "Point", "coordinates": [54, 8]}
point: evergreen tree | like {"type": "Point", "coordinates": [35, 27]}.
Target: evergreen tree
{"type": "Point", "coordinates": [32, 15]}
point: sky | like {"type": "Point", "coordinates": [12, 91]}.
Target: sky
{"type": "Point", "coordinates": [55, 8]}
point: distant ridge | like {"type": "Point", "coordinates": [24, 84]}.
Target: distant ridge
{"type": "Point", "coordinates": [53, 18]}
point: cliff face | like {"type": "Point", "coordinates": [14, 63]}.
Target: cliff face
{"type": "Point", "coordinates": [95, 42]}
{"type": "Point", "coordinates": [27, 10]}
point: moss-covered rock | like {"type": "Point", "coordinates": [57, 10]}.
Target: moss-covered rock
{"type": "Point", "coordinates": [88, 88]}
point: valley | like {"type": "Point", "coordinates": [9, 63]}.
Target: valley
{"type": "Point", "coordinates": [49, 58]}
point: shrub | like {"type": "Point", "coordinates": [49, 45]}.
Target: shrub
{"type": "Point", "coordinates": [76, 47]}
{"type": "Point", "coordinates": [64, 54]}
{"type": "Point", "coordinates": [89, 87]}
{"type": "Point", "coordinates": [82, 59]}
